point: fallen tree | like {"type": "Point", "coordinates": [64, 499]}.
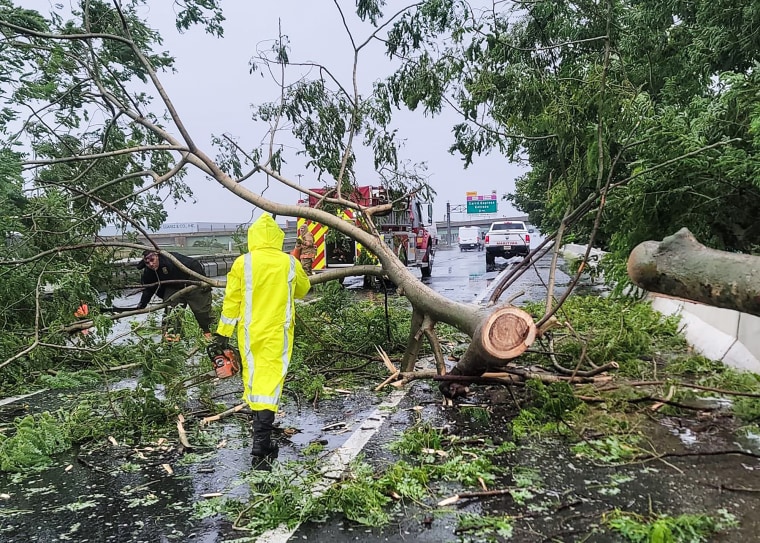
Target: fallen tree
{"type": "Point", "coordinates": [143, 147]}
{"type": "Point", "coordinates": [116, 172]}
{"type": "Point", "coordinates": [681, 267]}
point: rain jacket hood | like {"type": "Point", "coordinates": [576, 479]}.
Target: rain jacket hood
{"type": "Point", "coordinates": [265, 233]}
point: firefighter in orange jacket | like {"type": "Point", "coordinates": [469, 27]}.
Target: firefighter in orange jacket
{"type": "Point", "coordinates": [305, 242]}
{"type": "Point", "coordinates": [259, 301]}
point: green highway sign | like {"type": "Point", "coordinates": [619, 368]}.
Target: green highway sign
{"type": "Point", "coordinates": [482, 206]}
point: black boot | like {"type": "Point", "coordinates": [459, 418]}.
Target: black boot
{"type": "Point", "coordinates": [263, 450]}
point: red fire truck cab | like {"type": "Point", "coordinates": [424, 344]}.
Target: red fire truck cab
{"type": "Point", "coordinates": [407, 229]}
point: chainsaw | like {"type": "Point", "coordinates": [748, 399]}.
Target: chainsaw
{"type": "Point", "coordinates": [226, 362]}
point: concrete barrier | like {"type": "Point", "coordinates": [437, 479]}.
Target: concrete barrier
{"type": "Point", "coordinates": [719, 334]}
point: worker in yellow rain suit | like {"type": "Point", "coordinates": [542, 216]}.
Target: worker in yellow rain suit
{"type": "Point", "coordinates": [259, 300]}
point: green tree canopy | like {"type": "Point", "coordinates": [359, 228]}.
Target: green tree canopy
{"type": "Point", "coordinates": [656, 100]}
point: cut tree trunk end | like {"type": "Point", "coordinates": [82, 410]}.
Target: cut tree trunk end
{"type": "Point", "coordinates": [504, 334]}
{"type": "Point", "coordinates": [681, 267]}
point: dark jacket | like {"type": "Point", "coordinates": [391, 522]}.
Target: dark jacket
{"type": "Point", "coordinates": [167, 271]}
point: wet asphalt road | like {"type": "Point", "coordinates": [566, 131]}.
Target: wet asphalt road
{"type": "Point", "coordinates": [114, 493]}
{"type": "Point", "coordinates": [462, 276]}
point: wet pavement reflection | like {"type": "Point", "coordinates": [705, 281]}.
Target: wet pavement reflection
{"type": "Point", "coordinates": [464, 277]}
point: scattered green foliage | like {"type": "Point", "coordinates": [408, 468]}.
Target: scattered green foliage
{"type": "Point", "coordinates": [282, 496]}
{"type": "Point", "coordinates": [526, 477]}
{"type": "Point", "coordinates": [693, 365]}
{"type": "Point", "coordinates": [313, 449]}
{"type": "Point", "coordinates": [209, 507]}
{"type": "Point", "coordinates": [361, 497]}
{"type": "Point", "coordinates": [37, 437]}
{"type": "Point", "coordinates": [551, 407]}
{"type": "Point", "coordinates": [65, 379]}
{"type": "Point", "coordinates": [194, 458]}
{"type": "Point", "coordinates": [530, 423]}
{"type": "Point", "coordinates": [609, 449]}
{"type": "Point", "coordinates": [687, 528]}
{"type": "Point", "coordinates": [477, 414]}
{"type": "Point", "coordinates": [555, 400]}
{"type": "Point", "coordinates": [136, 414]}
{"type": "Point", "coordinates": [339, 331]}
{"type": "Point", "coordinates": [623, 331]}
{"type": "Point", "coordinates": [415, 439]}
{"type": "Point", "coordinates": [709, 373]}
{"type": "Point", "coordinates": [485, 527]}
{"type": "Point", "coordinates": [286, 494]}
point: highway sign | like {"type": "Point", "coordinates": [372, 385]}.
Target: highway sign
{"type": "Point", "coordinates": [482, 206]}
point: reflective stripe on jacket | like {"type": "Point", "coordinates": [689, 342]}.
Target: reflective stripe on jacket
{"type": "Point", "coordinates": [259, 300]}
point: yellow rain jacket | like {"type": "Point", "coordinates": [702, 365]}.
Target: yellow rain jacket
{"type": "Point", "coordinates": [259, 299]}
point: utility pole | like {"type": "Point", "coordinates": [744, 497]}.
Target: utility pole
{"type": "Point", "coordinates": [459, 208]}
{"type": "Point", "coordinates": [448, 223]}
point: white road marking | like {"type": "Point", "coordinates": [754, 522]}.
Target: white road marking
{"type": "Point", "coordinates": [6, 401]}
{"type": "Point", "coordinates": [340, 458]}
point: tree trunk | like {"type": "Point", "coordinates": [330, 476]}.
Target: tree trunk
{"type": "Point", "coordinates": [502, 335]}
{"type": "Point", "coordinates": [498, 334]}
{"type": "Point", "coordinates": [681, 267]}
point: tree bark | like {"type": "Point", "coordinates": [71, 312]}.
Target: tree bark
{"type": "Point", "coordinates": [681, 267]}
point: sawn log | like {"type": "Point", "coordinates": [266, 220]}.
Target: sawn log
{"type": "Point", "coordinates": [505, 333]}
{"type": "Point", "coordinates": [681, 267]}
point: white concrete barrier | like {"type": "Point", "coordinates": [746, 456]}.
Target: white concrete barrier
{"type": "Point", "coordinates": [719, 334]}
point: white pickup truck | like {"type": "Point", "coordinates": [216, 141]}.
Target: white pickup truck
{"type": "Point", "coordinates": [506, 239]}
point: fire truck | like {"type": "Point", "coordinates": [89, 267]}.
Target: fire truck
{"type": "Point", "coordinates": [406, 229]}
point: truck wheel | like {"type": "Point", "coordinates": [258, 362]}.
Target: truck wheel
{"type": "Point", "coordinates": [490, 259]}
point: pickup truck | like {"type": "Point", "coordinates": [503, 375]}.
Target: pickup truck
{"type": "Point", "coordinates": [506, 239]}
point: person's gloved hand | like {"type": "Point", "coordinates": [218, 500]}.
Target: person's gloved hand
{"type": "Point", "coordinates": [221, 341]}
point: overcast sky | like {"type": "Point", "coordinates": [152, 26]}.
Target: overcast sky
{"type": "Point", "coordinates": [213, 93]}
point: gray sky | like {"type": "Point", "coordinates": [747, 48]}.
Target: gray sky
{"type": "Point", "coordinates": [213, 92]}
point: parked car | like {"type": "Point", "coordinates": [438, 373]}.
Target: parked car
{"type": "Point", "coordinates": [470, 238]}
